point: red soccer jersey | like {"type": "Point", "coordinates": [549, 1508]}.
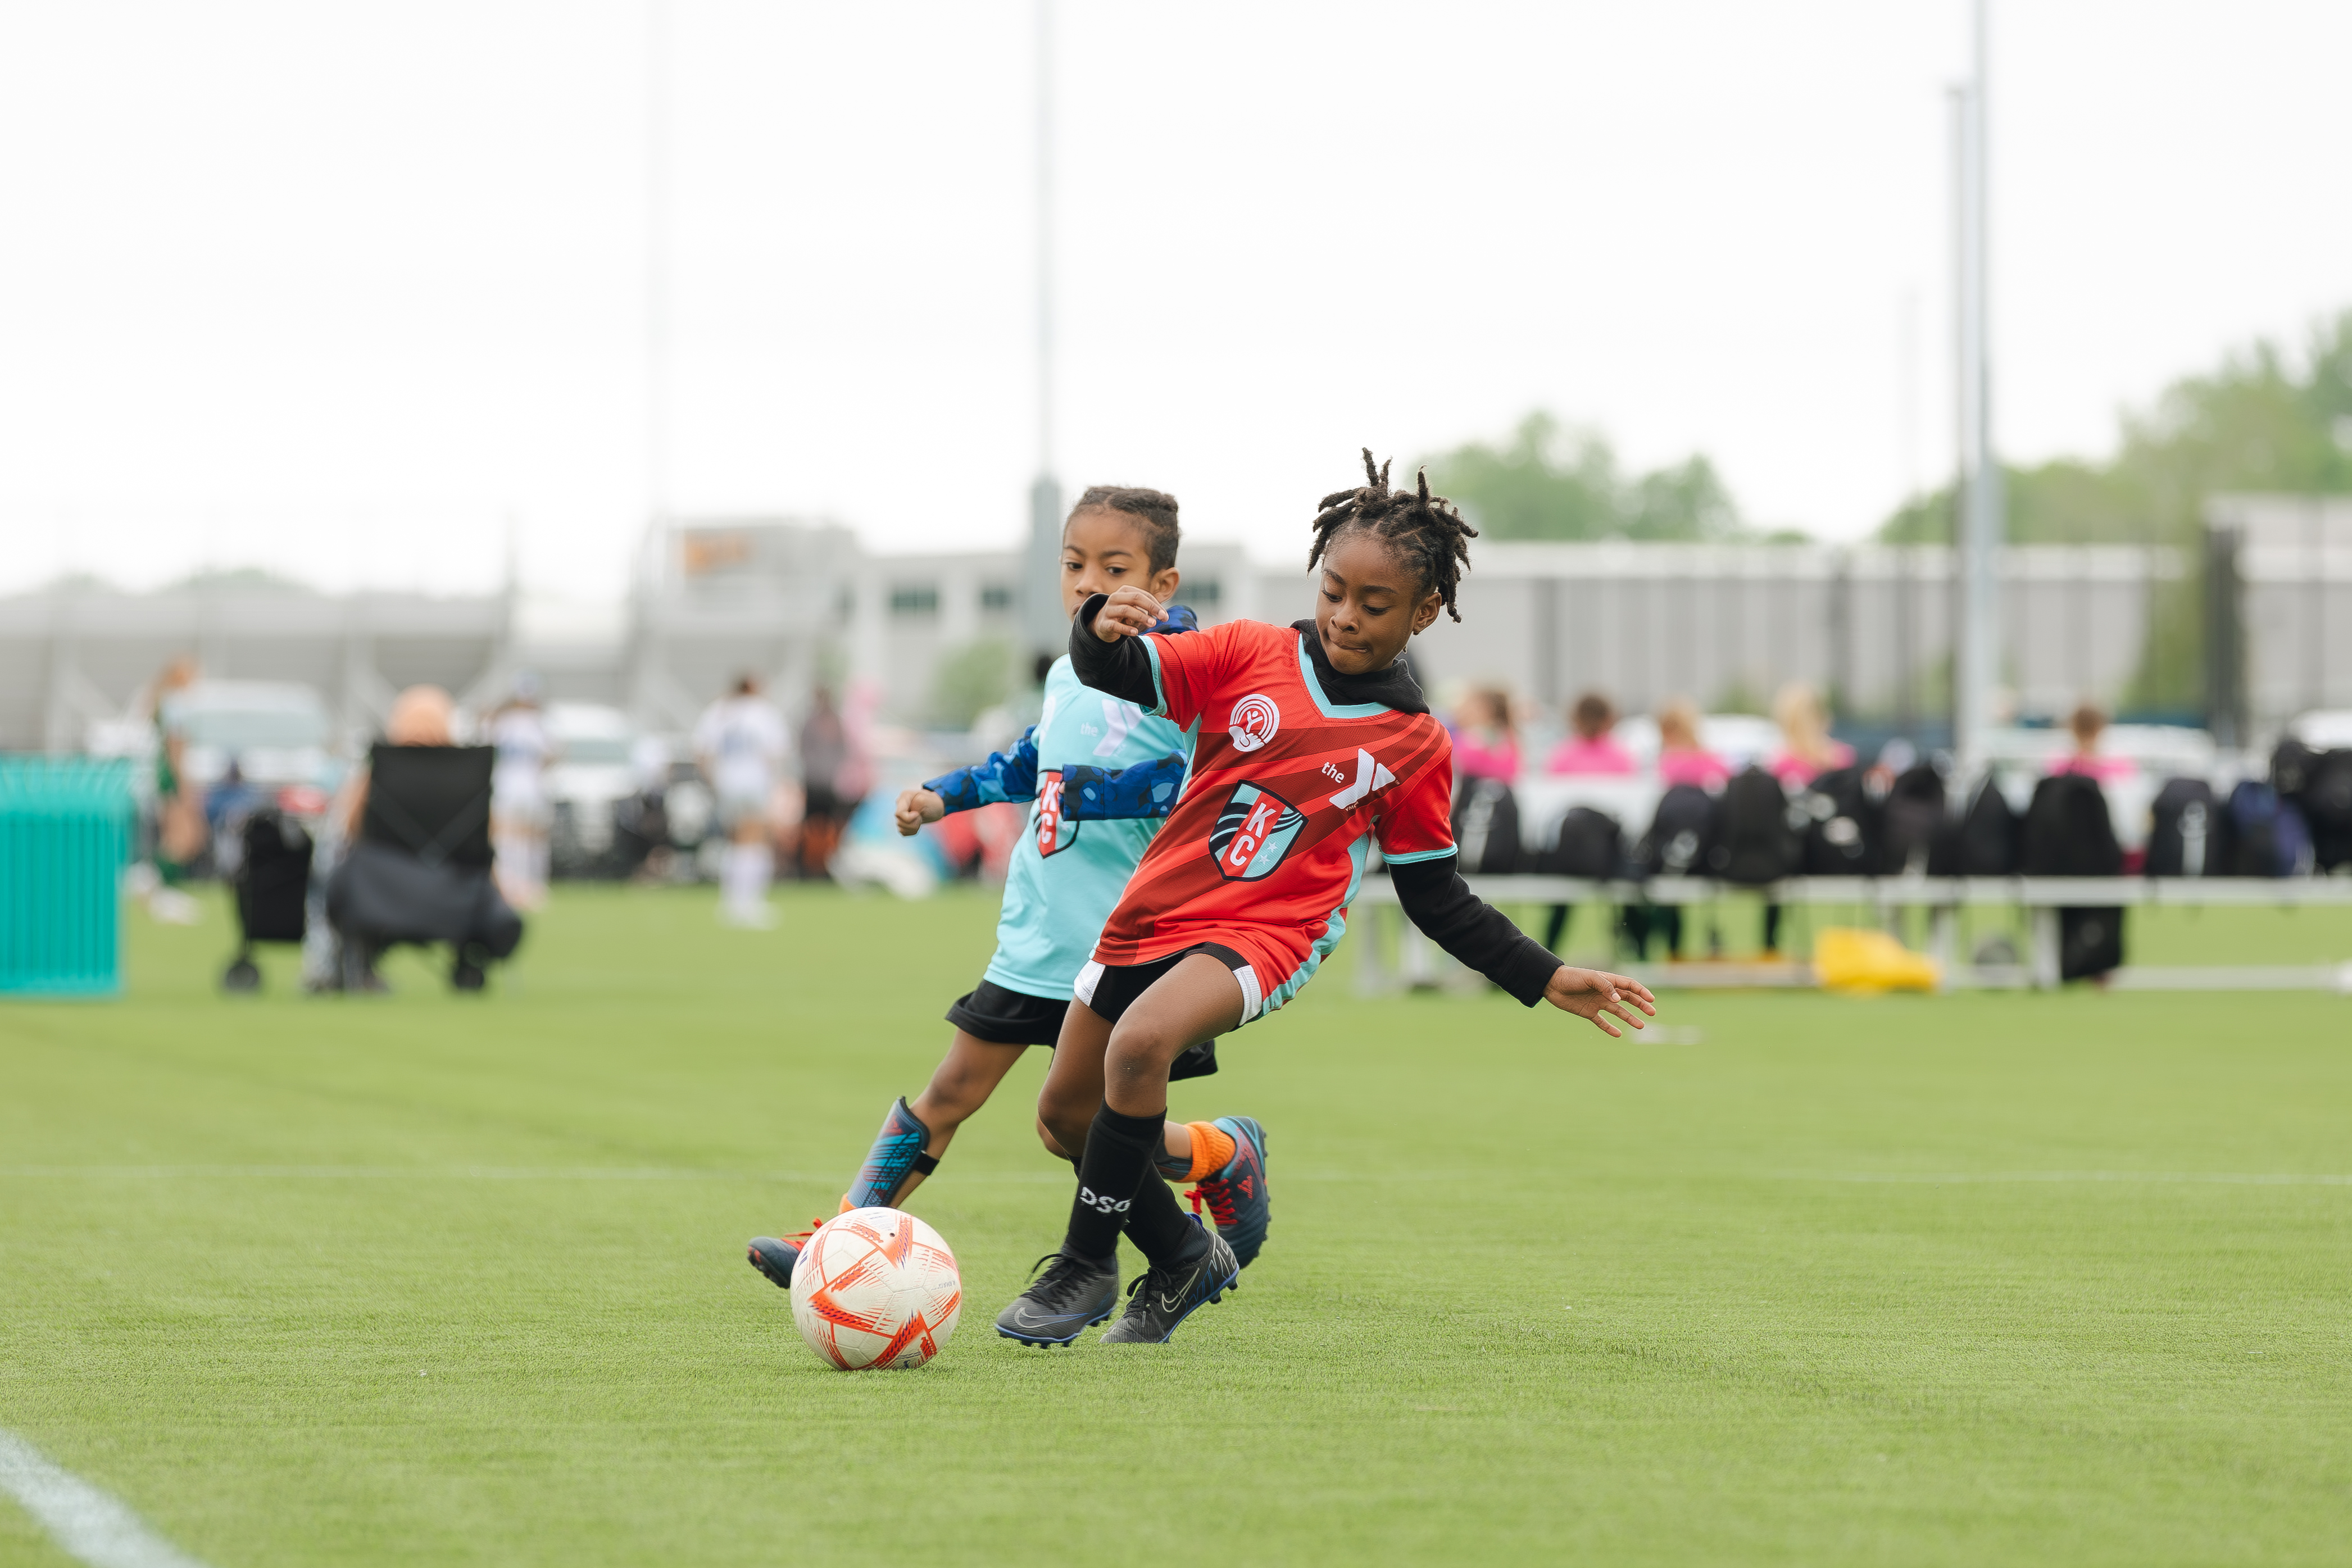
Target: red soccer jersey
{"type": "Point", "coordinates": [1288, 791]}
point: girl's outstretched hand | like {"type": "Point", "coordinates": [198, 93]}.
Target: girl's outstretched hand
{"type": "Point", "coordinates": [917, 807]}
{"type": "Point", "coordinates": [1131, 613]}
{"type": "Point", "coordinates": [1596, 993]}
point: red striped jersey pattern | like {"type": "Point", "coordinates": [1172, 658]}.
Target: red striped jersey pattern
{"type": "Point", "coordinates": [1264, 843]}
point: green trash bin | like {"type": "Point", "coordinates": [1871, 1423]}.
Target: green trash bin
{"type": "Point", "coordinates": [65, 834]}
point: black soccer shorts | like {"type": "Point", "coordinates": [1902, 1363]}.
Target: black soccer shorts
{"type": "Point", "coordinates": [1001, 1017]}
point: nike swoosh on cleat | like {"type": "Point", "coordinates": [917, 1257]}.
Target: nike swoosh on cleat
{"type": "Point", "coordinates": [1169, 1303]}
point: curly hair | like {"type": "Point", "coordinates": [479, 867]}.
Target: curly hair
{"type": "Point", "coordinates": [1423, 532]}
{"type": "Point", "coordinates": [1155, 509]}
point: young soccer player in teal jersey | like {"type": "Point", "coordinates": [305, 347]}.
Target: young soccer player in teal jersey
{"type": "Point", "coordinates": [1312, 746]}
{"type": "Point", "coordinates": [1102, 776]}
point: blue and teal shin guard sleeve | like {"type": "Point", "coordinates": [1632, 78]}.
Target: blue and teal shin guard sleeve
{"type": "Point", "coordinates": [898, 1153]}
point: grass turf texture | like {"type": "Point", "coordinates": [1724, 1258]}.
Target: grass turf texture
{"type": "Point", "coordinates": [441, 1279]}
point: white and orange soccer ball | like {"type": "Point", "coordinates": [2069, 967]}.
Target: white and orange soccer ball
{"type": "Point", "coordinates": [875, 1287]}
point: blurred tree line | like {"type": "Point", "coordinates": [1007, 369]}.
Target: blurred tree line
{"type": "Point", "coordinates": [1550, 482]}
{"type": "Point", "coordinates": [2264, 421]}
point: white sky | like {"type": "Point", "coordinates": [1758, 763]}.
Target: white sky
{"type": "Point", "coordinates": [352, 291]}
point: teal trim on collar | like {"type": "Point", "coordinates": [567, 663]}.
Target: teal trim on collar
{"type": "Point", "coordinates": [1159, 686]}
{"type": "Point", "coordinates": [1315, 689]}
{"type": "Point", "coordinates": [1415, 858]}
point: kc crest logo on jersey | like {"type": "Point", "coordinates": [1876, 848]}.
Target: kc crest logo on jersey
{"type": "Point", "coordinates": [1253, 834]}
{"type": "Point", "coordinates": [1054, 830]}
{"type": "Point", "coordinates": [1255, 720]}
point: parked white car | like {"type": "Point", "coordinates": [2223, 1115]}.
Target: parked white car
{"type": "Point", "coordinates": [276, 733]}
{"type": "Point", "coordinates": [594, 771]}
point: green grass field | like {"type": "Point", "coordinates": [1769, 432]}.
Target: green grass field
{"type": "Point", "coordinates": [430, 1279]}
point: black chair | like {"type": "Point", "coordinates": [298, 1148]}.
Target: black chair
{"type": "Point", "coordinates": [420, 871]}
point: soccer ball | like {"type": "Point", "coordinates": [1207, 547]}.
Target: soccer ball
{"type": "Point", "coordinates": [875, 1287]}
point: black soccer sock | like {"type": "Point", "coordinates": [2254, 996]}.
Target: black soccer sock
{"type": "Point", "coordinates": [1158, 1224]}
{"type": "Point", "coordinates": [1116, 1160]}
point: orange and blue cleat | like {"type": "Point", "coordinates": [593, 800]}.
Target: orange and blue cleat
{"type": "Point", "coordinates": [1236, 1196]}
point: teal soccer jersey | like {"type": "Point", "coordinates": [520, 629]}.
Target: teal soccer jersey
{"type": "Point", "coordinates": [1101, 776]}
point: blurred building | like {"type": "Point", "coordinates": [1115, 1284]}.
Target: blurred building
{"type": "Point", "coordinates": [78, 653]}
{"type": "Point", "coordinates": [797, 602]}
{"type": "Point", "coordinates": [1727, 625]}
{"type": "Point", "coordinates": [2281, 625]}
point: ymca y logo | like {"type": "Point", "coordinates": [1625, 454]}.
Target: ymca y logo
{"type": "Point", "coordinates": [1369, 776]}
{"type": "Point", "coordinates": [1255, 720]}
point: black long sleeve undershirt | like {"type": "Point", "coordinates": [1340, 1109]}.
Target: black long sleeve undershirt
{"type": "Point", "coordinates": [1122, 668]}
{"type": "Point", "coordinates": [1482, 936]}
{"type": "Point", "coordinates": [1434, 896]}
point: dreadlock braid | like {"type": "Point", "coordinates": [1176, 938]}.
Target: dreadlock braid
{"type": "Point", "coordinates": [1423, 532]}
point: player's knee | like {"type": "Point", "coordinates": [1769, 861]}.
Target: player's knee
{"type": "Point", "coordinates": [1053, 1145]}
{"type": "Point", "coordinates": [1140, 1052]}
{"type": "Point", "coordinates": [1062, 1124]}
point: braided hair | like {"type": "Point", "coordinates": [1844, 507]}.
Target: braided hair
{"type": "Point", "coordinates": [1423, 531]}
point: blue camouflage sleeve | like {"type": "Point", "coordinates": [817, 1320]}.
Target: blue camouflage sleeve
{"type": "Point", "coordinates": [1145, 790]}
{"type": "Point", "coordinates": [1005, 775]}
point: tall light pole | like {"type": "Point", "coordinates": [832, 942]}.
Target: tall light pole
{"type": "Point", "coordinates": [643, 677]}
{"type": "Point", "coordinates": [658, 498]}
{"type": "Point", "coordinates": [1041, 620]}
{"type": "Point", "coordinates": [1977, 662]}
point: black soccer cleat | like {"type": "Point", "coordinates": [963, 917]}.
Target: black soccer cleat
{"type": "Point", "coordinates": [1165, 1297]}
{"type": "Point", "coordinates": [1071, 1296]}
{"type": "Point", "coordinates": [775, 1256]}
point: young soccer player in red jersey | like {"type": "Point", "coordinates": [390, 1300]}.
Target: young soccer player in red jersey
{"type": "Point", "coordinates": [1102, 776]}
{"type": "Point", "coordinates": [1314, 745]}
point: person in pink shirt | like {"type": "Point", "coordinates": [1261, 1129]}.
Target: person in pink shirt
{"type": "Point", "coordinates": [1484, 745]}
{"type": "Point", "coordinates": [1681, 759]}
{"type": "Point", "coordinates": [1592, 748]}
{"type": "Point", "coordinates": [2088, 723]}
{"type": "Point", "coordinates": [1807, 751]}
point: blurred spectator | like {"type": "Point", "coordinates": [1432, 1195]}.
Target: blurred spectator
{"type": "Point", "coordinates": [856, 780]}
{"type": "Point", "coordinates": [825, 766]}
{"type": "Point", "coordinates": [1484, 744]}
{"type": "Point", "coordinates": [1807, 751]}
{"type": "Point", "coordinates": [2087, 723]}
{"type": "Point", "coordinates": [520, 809]}
{"type": "Point", "coordinates": [1592, 749]}
{"type": "Point", "coordinates": [421, 716]}
{"type": "Point", "coordinates": [1681, 760]}
{"type": "Point", "coordinates": [1897, 756]}
{"type": "Point", "coordinates": [180, 828]}
{"type": "Point", "coordinates": [646, 817]}
{"type": "Point", "coordinates": [742, 745]}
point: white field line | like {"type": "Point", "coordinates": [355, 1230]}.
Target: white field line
{"type": "Point", "coordinates": [1057, 1176]}
{"type": "Point", "coordinates": [95, 1526]}
{"type": "Point", "coordinates": [2146, 1178]}
{"type": "Point", "coordinates": [460, 1173]}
